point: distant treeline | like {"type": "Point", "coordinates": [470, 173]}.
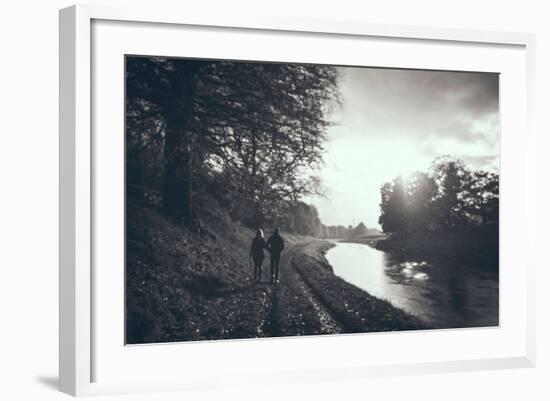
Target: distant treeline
{"type": "Point", "coordinates": [302, 218]}
{"type": "Point", "coordinates": [361, 230]}
{"type": "Point", "coordinates": [233, 136]}
{"type": "Point", "coordinates": [449, 211]}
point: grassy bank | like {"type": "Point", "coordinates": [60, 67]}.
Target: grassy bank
{"type": "Point", "coordinates": [357, 310]}
{"type": "Point", "coordinates": [177, 280]}
{"type": "Point", "coordinates": [182, 285]}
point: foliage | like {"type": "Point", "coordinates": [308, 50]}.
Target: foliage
{"type": "Point", "coordinates": [244, 132]}
{"type": "Point", "coordinates": [301, 218]}
{"type": "Point", "coordinates": [448, 198]}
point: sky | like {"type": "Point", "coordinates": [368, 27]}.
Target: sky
{"type": "Point", "coordinates": [394, 122]}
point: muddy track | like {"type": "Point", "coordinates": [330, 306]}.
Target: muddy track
{"type": "Point", "coordinates": [295, 309]}
{"type": "Point", "coordinates": [329, 324]}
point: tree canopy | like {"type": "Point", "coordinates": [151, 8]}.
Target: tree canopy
{"type": "Point", "coordinates": [242, 132]}
{"type": "Point", "coordinates": [447, 198]}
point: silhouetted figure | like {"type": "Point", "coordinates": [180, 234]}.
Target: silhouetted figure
{"type": "Point", "coordinates": [257, 253]}
{"type": "Point", "coordinates": [275, 245]}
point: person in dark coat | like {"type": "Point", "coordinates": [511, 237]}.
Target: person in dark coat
{"type": "Point", "coordinates": [257, 253]}
{"type": "Point", "coordinates": [275, 245]}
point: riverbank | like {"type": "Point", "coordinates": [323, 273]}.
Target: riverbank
{"type": "Point", "coordinates": [354, 308]}
{"type": "Point", "coordinates": [370, 240]}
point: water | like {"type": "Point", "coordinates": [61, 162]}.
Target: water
{"type": "Point", "coordinates": [442, 294]}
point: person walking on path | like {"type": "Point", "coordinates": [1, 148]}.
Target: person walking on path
{"type": "Point", "coordinates": [257, 253]}
{"type": "Point", "coordinates": [275, 245]}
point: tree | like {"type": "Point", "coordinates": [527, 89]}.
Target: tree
{"type": "Point", "coordinates": [421, 192]}
{"type": "Point", "coordinates": [449, 198]}
{"type": "Point", "coordinates": [301, 218]}
{"type": "Point", "coordinates": [250, 128]}
{"type": "Point", "coordinates": [165, 89]}
{"type": "Point", "coordinates": [284, 135]}
{"type": "Point", "coordinates": [451, 177]}
{"type": "Point", "coordinates": [393, 207]}
{"type": "Point", "coordinates": [482, 198]}
{"type": "Point", "coordinates": [360, 230]}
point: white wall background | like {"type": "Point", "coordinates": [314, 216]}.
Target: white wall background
{"type": "Point", "coordinates": [29, 201]}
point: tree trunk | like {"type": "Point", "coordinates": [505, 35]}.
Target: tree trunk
{"type": "Point", "coordinates": [178, 146]}
{"type": "Point", "coordinates": [177, 189]}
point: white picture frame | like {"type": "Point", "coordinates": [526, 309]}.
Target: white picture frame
{"type": "Point", "coordinates": [78, 225]}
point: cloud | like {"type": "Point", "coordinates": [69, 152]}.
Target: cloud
{"type": "Point", "coordinates": [483, 129]}
{"type": "Point", "coordinates": [480, 94]}
{"type": "Point", "coordinates": [417, 103]}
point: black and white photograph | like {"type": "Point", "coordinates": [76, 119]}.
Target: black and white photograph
{"type": "Point", "coordinates": [276, 199]}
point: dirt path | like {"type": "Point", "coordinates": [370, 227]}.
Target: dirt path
{"type": "Point", "coordinates": [295, 309]}
{"type": "Point", "coordinates": [328, 323]}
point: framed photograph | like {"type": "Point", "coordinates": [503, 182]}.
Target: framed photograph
{"type": "Point", "coordinates": [306, 200]}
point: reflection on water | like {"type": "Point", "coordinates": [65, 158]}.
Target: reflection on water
{"type": "Point", "coordinates": [443, 294]}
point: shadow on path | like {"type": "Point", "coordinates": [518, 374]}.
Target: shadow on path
{"type": "Point", "coordinates": [235, 290]}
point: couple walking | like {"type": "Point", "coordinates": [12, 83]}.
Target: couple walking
{"type": "Point", "coordinates": [275, 245]}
